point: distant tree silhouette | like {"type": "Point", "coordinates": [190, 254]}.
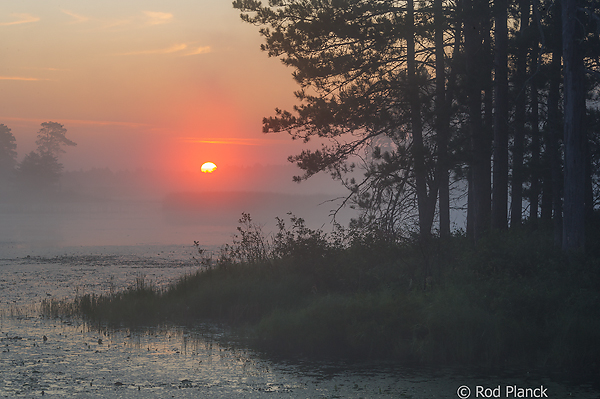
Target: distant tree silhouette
{"type": "Point", "coordinates": [8, 155]}
{"type": "Point", "coordinates": [40, 170]}
{"type": "Point", "coordinates": [51, 138]}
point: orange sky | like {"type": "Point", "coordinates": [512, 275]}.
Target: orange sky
{"type": "Point", "coordinates": [142, 84]}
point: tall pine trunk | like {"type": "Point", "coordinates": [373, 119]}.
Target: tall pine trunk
{"type": "Point", "coordinates": [535, 138]}
{"type": "Point", "coordinates": [574, 133]}
{"type": "Point", "coordinates": [442, 121]}
{"type": "Point", "coordinates": [425, 220]}
{"type": "Point", "coordinates": [479, 200]}
{"type": "Point", "coordinates": [487, 81]}
{"type": "Point", "coordinates": [516, 203]}
{"type": "Point", "coordinates": [500, 155]}
{"type": "Point", "coordinates": [553, 136]}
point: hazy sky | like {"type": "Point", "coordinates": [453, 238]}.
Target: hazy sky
{"type": "Point", "coordinates": [150, 84]}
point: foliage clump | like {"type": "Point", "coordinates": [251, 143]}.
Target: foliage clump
{"type": "Point", "coordinates": [513, 299]}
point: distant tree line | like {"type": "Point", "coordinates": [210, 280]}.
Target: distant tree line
{"type": "Point", "coordinates": [498, 98]}
{"type": "Point", "coordinates": [40, 169]}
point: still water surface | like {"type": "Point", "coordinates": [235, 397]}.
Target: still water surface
{"type": "Point", "coordinates": [78, 361]}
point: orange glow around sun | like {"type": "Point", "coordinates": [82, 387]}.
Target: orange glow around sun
{"type": "Point", "coordinates": [208, 167]}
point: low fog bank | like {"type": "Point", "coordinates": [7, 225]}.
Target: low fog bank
{"type": "Point", "coordinates": [155, 184]}
{"type": "Point", "coordinates": [214, 208]}
{"type": "Point", "coordinates": [101, 207]}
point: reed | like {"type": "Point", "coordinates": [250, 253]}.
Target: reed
{"type": "Point", "coordinates": [511, 300]}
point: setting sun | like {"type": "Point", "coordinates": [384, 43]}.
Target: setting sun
{"type": "Point", "coordinates": [208, 167]}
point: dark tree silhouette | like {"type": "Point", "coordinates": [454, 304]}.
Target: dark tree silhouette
{"type": "Point", "coordinates": [365, 80]}
{"type": "Point", "coordinates": [8, 155]}
{"type": "Point", "coordinates": [408, 87]}
{"type": "Point", "coordinates": [51, 139]}
{"type": "Point", "coordinates": [477, 72]}
{"type": "Point", "coordinates": [534, 120]}
{"type": "Point", "coordinates": [442, 121]}
{"type": "Point", "coordinates": [520, 95]}
{"type": "Point", "coordinates": [500, 152]}
{"type": "Point", "coordinates": [574, 130]}
{"type": "Point", "coordinates": [41, 170]}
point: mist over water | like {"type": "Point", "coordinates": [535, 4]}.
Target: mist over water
{"type": "Point", "coordinates": [105, 223]}
{"type": "Point", "coordinates": [100, 207]}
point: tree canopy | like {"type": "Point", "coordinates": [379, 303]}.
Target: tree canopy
{"type": "Point", "coordinates": [51, 138]}
{"type": "Point", "coordinates": [39, 170]}
{"type": "Point", "coordinates": [423, 91]}
{"type": "Point", "coordinates": [8, 153]}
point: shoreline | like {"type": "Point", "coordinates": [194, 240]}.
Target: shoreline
{"type": "Point", "coordinates": [512, 301]}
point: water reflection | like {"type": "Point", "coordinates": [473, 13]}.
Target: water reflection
{"type": "Point", "coordinates": [80, 360]}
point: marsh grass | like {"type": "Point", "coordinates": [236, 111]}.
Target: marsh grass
{"type": "Point", "coordinates": [19, 311]}
{"type": "Point", "coordinates": [512, 300]}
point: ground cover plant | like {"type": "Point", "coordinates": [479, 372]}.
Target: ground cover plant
{"type": "Point", "coordinates": [513, 299]}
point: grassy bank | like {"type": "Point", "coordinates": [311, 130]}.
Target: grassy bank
{"type": "Point", "coordinates": [511, 300]}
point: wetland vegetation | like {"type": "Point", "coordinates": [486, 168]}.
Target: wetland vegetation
{"type": "Point", "coordinates": [512, 300]}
